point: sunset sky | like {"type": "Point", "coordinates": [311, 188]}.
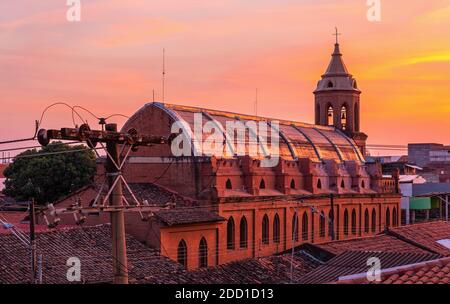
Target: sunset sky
{"type": "Point", "coordinates": [218, 52]}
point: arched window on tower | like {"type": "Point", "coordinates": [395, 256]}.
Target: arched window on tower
{"type": "Point", "coordinates": [330, 116]}
{"type": "Point", "coordinates": [356, 117]}
{"type": "Point", "coordinates": [322, 224]}
{"type": "Point", "coordinates": [344, 118]}
{"type": "Point", "coordinates": [182, 253]}
{"type": "Point", "coordinates": [230, 233]}
{"type": "Point", "coordinates": [374, 220]}
{"type": "Point", "coordinates": [319, 184]}
{"type": "Point", "coordinates": [366, 221]}
{"type": "Point", "coordinates": [305, 226]}
{"type": "Point", "coordinates": [228, 185]}
{"type": "Point", "coordinates": [342, 184]}
{"type": "Point", "coordinates": [346, 222]}
{"type": "Point", "coordinates": [353, 221]}
{"type": "Point", "coordinates": [295, 226]}
{"type": "Point", "coordinates": [265, 230]}
{"type": "Point", "coordinates": [243, 233]}
{"type": "Point", "coordinates": [276, 229]}
{"type": "Point", "coordinates": [203, 254]}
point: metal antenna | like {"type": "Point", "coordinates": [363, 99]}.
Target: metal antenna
{"type": "Point", "coordinates": [163, 73]}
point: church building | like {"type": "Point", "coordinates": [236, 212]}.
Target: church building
{"type": "Point", "coordinates": [231, 207]}
{"type": "Point", "coordinates": [322, 189]}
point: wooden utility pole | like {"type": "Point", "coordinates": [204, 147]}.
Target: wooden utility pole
{"type": "Point", "coordinates": [114, 165]}
{"type": "Point", "coordinates": [119, 249]}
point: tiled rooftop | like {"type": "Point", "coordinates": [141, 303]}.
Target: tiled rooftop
{"type": "Point", "coordinates": [384, 243]}
{"type": "Point", "coordinates": [431, 272]}
{"type": "Point", "coordinates": [424, 235]}
{"type": "Point", "coordinates": [354, 262]}
{"type": "Point", "coordinates": [266, 270]}
{"type": "Point", "coordinates": [187, 216]}
{"type": "Point", "coordinates": [92, 245]}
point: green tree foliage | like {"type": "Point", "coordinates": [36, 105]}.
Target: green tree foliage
{"type": "Point", "coordinates": [48, 178]}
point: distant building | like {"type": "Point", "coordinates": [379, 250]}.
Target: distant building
{"type": "Point", "coordinates": [435, 160]}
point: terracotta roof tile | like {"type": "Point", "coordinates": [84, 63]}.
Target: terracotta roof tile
{"type": "Point", "coordinates": [92, 245]}
{"type": "Point", "coordinates": [424, 235]}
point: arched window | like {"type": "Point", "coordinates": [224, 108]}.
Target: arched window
{"type": "Point", "coordinates": [353, 221]}
{"type": "Point", "coordinates": [319, 184]}
{"type": "Point", "coordinates": [346, 222]}
{"type": "Point", "coordinates": [276, 229]}
{"type": "Point", "coordinates": [305, 226]}
{"type": "Point", "coordinates": [363, 184]}
{"type": "Point", "coordinates": [265, 229]}
{"type": "Point", "coordinates": [230, 233]}
{"type": "Point", "coordinates": [292, 184]}
{"type": "Point", "coordinates": [356, 117]}
{"type": "Point", "coordinates": [342, 184]}
{"type": "Point", "coordinates": [228, 184]}
{"type": "Point", "coordinates": [203, 254]}
{"type": "Point", "coordinates": [330, 84]}
{"type": "Point", "coordinates": [330, 223]}
{"type": "Point", "coordinates": [344, 118]}
{"type": "Point", "coordinates": [295, 226]}
{"type": "Point", "coordinates": [374, 220]}
{"type": "Point", "coordinates": [262, 184]}
{"type": "Point", "coordinates": [394, 217]}
{"type": "Point", "coordinates": [182, 253]}
{"type": "Point", "coordinates": [330, 121]}
{"type": "Point", "coordinates": [322, 224]}
{"type": "Point", "coordinates": [243, 233]}
{"type": "Point", "coordinates": [388, 218]}
{"type": "Point", "coordinates": [366, 221]}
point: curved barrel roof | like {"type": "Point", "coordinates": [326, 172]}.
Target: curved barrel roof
{"type": "Point", "coordinates": [296, 139]}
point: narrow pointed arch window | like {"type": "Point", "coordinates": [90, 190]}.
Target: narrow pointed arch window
{"type": "Point", "coordinates": [265, 230]}
{"type": "Point", "coordinates": [295, 226]}
{"type": "Point", "coordinates": [182, 253]}
{"type": "Point", "coordinates": [346, 222]}
{"type": "Point", "coordinates": [305, 226]}
{"type": "Point", "coordinates": [262, 184]}
{"type": "Point", "coordinates": [243, 233]}
{"type": "Point", "coordinates": [374, 220]}
{"type": "Point", "coordinates": [342, 184]}
{"type": "Point", "coordinates": [322, 222]}
{"type": "Point", "coordinates": [203, 253]}
{"type": "Point", "coordinates": [319, 184]}
{"type": "Point", "coordinates": [230, 233]}
{"type": "Point", "coordinates": [394, 217]}
{"type": "Point", "coordinates": [276, 229]}
{"type": "Point", "coordinates": [292, 184]}
{"type": "Point", "coordinates": [330, 116]}
{"type": "Point", "coordinates": [228, 184]}
{"type": "Point", "coordinates": [353, 221]}
{"type": "Point", "coordinates": [330, 223]}
{"type": "Point", "coordinates": [366, 221]}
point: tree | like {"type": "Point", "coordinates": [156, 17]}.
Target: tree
{"type": "Point", "coordinates": [49, 177]}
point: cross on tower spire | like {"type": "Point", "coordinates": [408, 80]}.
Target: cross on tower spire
{"type": "Point", "coordinates": [337, 34]}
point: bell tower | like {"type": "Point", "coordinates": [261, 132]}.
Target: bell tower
{"type": "Point", "coordinates": [337, 99]}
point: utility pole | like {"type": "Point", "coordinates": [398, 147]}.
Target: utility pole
{"type": "Point", "coordinates": [114, 178]}
{"type": "Point", "coordinates": [32, 242]}
{"type": "Point", "coordinates": [119, 249]}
